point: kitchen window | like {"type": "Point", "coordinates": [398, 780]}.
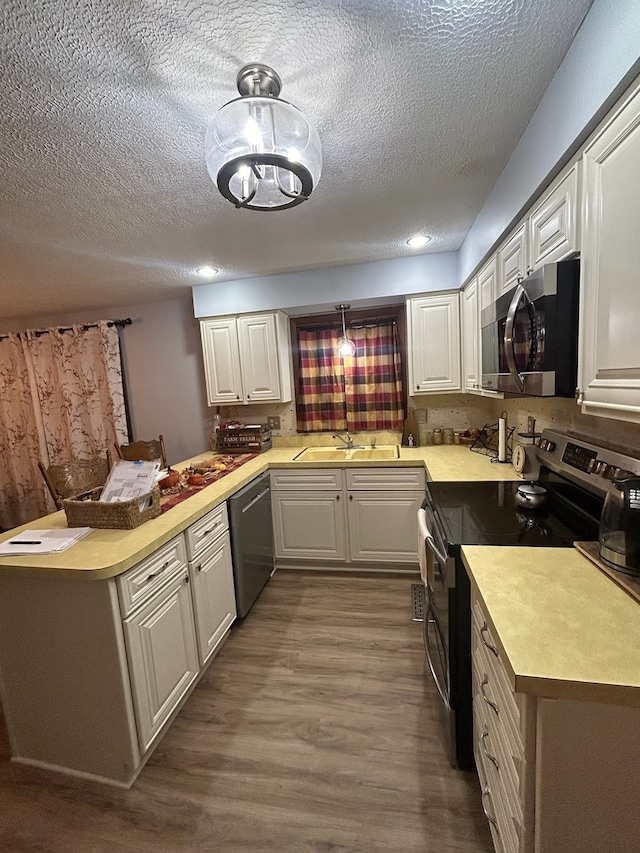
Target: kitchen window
{"type": "Point", "coordinates": [360, 392]}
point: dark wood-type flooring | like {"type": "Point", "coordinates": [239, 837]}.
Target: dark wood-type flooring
{"type": "Point", "coordinates": [315, 729]}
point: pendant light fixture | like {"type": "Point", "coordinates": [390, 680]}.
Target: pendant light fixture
{"type": "Point", "coordinates": [261, 152]}
{"type": "Point", "coordinates": [346, 346]}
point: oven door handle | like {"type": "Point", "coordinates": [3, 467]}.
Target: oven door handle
{"type": "Point", "coordinates": [441, 558]}
{"type": "Point", "coordinates": [430, 620]}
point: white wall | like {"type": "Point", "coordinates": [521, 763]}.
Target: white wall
{"type": "Point", "coordinates": [602, 60]}
{"type": "Point", "coordinates": [317, 290]}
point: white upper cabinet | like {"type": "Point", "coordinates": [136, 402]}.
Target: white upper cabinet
{"type": "Point", "coordinates": [487, 283]}
{"type": "Point", "coordinates": [470, 336]}
{"type": "Point", "coordinates": [434, 343]}
{"type": "Point", "coordinates": [512, 260]}
{"type": "Point", "coordinates": [247, 359]}
{"type": "Point", "coordinates": [609, 361]}
{"type": "Point", "coordinates": [554, 222]}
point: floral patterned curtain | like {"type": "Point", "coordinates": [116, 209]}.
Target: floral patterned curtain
{"type": "Point", "coordinates": [62, 398]}
{"type": "Point", "coordinates": [362, 392]}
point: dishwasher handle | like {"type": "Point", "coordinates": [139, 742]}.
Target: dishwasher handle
{"type": "Point", "coordinates": [256, 499]}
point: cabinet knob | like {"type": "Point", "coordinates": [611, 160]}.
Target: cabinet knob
{"type": "Point", "coordinates": [337, 497]}
{"type": "Point", "coordinates": [350, 497]}
{"type": "Point", "coordinates": [186, 579]}
{"type": "Point", "coordinates": [199, 567]}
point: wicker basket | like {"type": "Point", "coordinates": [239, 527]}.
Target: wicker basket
{"type": "Point", "coordinates": [86, 511]}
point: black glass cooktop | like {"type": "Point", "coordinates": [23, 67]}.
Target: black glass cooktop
{"type": "Point", "coordinates": [485, 513]}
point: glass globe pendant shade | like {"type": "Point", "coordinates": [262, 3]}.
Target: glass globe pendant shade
{"type": "Point", "coordinates": [262, 152]}
{"type": "Point", "coordinates": [346, 347]}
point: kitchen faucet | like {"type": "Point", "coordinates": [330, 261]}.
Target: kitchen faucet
{"type": "Point", "coordinates": [348, 440]}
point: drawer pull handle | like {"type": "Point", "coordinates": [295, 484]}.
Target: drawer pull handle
{"type": "Point", "coordinates": [487, 793]}
{"type": "Point", "coordinates": [159, 572]}
{"type": "Point", "coordinates": [207, 532]}
{"type": "Point", "coordinates": [489, 645]}
{"type": "Point", "coordinates": [491, 704]}
{"type": "Point", "coordinates": [491, 758]}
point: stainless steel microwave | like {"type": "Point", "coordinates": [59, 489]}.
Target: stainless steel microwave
{"type": "Point", "coordinates": [530, 334]}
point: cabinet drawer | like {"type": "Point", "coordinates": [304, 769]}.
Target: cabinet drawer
{"type": "Point", "coordinates": [206, 530]}
{"type": "Point", "coordinates": [140, 583]}
{"type": "Point", "coordinates": [492, 741]}
{"type": "Point", "coordinates": [382, 479]}
{"type": "Point", "coordinates": [309, 479]}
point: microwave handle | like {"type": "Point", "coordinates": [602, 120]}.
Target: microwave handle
{"type": "Point", "coordinates": [509, 343]}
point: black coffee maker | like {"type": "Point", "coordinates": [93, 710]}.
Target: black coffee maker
{"type": "Point", "coordinates": [620, 524]}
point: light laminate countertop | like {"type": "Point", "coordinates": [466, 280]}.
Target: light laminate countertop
{"type": "Point", "coordinates": [107, 553]}
{"type": "Point", "coordinates": [566, 630]}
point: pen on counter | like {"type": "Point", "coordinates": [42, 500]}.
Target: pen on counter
{"type": "Point", "coordinates": [25, 542]}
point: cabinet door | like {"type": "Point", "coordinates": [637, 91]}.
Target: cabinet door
{"type": "Point", "coordinates": [309, 526]}
{"type": "Point", "coordinates": [259, 357]}
{"type": "Point", "coordinates": [434, 343]}
{"type": "Point", "coordinates": [487, 287]}
{"type": "Point", "coordinates": [609, 366]}
{"type": "Point", "coordinates": [553, 225]}
{"type": "Point", "coordinates": [161, 646]}
{"type": "Point", "coordinates": [213, 596]}
{"type": "Point", "coordinates": [221, 361]}
{"type": "Point", "coordinates": [470, 336]}
{"type": "Point", "coordinates": [382, 526]}
{"type": "Point", "coordinates": [512, 260]}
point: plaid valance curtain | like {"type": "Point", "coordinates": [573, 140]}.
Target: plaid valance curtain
{"type": "Point", "coordinates": [362, 392]}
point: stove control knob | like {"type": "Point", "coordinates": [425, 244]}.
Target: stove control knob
{"type": "Point", "coordinates": [607, 470]}
{"type": "Point", "coordinates": [593, 466]}
{"type": "Point", "coordinates": [547, 445]}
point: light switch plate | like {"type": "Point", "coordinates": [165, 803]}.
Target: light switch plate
{"type": "Point", "coordinates": [274, 422]}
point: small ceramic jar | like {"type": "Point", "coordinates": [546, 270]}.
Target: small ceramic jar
{"type": "Point", "coordinates": [447, 436]}
{"type": "Point", "coordinates": [437, 436]}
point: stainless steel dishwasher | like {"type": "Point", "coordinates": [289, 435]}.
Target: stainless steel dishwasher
{"type": "Point", "coordinates": [251, 541]}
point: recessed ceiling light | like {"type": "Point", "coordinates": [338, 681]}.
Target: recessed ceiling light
{"type": "Point", "coordinates": [207, 272]}
{"type": "Point", "coordinates": [418, 241]}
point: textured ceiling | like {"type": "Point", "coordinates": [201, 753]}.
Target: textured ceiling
{"type": "Point", "coordinates": [105, 194]}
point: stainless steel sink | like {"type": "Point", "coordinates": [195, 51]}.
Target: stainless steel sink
{"type": "Point", "coordinates": [347, 454]}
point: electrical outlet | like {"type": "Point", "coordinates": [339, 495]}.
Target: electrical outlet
{"type": "Point", "coordinates": [273, 422]}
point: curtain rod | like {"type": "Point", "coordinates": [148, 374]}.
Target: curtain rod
{"type": "Point", "coordinates": [363, 324]}
{"type": "Point", "coordinates": [38, 332]}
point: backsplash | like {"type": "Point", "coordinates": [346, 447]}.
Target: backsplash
{"type": "Point", "coordinates": [460, 411]}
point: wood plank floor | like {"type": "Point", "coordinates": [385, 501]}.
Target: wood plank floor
{"type": "Point", "coordinates": [315, 729]}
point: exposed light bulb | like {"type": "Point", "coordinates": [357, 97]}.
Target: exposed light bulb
{"type": "Point", "coordinates": [347, 348]}
{"type": "Point", "coordinates": [253, 133]}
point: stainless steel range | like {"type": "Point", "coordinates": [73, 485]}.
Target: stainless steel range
{"type": "Point", "coordinates": [565, 507]}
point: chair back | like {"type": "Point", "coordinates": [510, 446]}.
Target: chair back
{"type": "Point", "coordinates": [146, 450]}
{"type": "Point", "coordinates": [75, 476]}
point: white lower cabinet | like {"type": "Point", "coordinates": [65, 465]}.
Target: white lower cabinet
{"type": "Point", "coordinates": [211, 573]}
{"type": "Point", "coordinates": [308, 515]}
{"type": "Point", "coordinates": [161, 646]}
{"type": "Point", "coordinates": [556, 775]}
{"type": "Point", "coordinates": [504, 744]}
{"type": "Point", "coordinates": [360, 517]}
{"type": "Point", "coordinates": [93, 671]}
